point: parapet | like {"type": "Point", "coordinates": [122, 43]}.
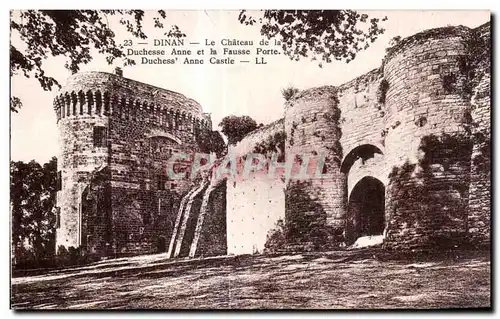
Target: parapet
{"type": "Point", "coordinates": [312, 94]}
{"type": "Point", "coordinates": [423, 37]}
{"type": "Point", "coordinates": [105, 94]}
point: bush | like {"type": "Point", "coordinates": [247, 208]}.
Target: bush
{"type": "Point", "coordinates": [276, 238]}
{"type": "Point", "coordinates": [289, 92]}
{"type": "Point", "coordinates": [27, 260]}
{"type": "Point", "coordinates": [73, 257]}
{"type": "Point", "coordinates": [383, 87]}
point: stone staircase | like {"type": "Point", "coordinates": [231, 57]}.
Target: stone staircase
{"type": "Point", "coordinates": [191, 215]}
{"type": "Point", "coordinates": [201, 217]}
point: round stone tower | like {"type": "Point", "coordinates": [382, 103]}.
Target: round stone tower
{"type": "Point", "coordinates": [83, 123]}
{"type": "Point", "coordinates": [314, 203]}
{"type": "Point", "coordinates": [427, 142]}
{"type": "Point", "coordinates": [116, 139]}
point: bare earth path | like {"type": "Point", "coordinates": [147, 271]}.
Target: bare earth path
{"type": "Point", "coordinates": [335, 280]}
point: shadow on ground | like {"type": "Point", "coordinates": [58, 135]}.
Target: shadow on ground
{"type": "Point", "coordinates": [366, 279]}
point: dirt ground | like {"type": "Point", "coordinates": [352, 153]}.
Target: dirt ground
{"type": "Point", "coordinates": [336, 280]}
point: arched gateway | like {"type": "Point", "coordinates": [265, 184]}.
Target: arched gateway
{"type": "Point", "coordinates": [365, 197]}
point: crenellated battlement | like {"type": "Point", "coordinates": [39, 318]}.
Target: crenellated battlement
{"type": "Point", "coordinates": [105, 104]}
{"type": "Point", "coordinates": [398, 149]}
{"type": "Point", "coordinates": [99, 94]}
{"type": "Point", "coordinates": [130, 131]}
{"type": "Point", "coordinates": [405, 147]}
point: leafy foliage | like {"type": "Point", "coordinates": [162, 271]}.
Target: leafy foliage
{"type": "Point", "coordinates": [33, 196]}
{"type": "Point", "coordinates": [429, 195]}
{"type": "Point", "coordinates": [211, 141]}
{"type": "Point", "coordinates": [305, 227]}
{"type": "Point", "coordinates": [305, 216]}
{"type": "Point", "coordinates": [449, 81]}
{"type": "Point", "coordinates": [481, 158]}
{"type": "Point", "coordinates": [382, 91]}
{"type": "Point", "coordinates": [289, 92]}
{"type": "Point", "coordinates": [445, 149]}
{"type": "Point", "coordinates": [274, 143]}
{"type": "Point", "coordinates": [325, 34]}
{"type": "Point", "coordinates": [474, 63]}
{"type": "Point", "coordinates": [15, 103]}
{"type": "Point", "coordinates": [393, 42]}
{"type": "Point", "coordinates": [236, 127]}
{"type": "Point", "coordinates": [73, 256]}
{"type": "Point", "coordinates": [276, 238]}
{"type": "Point", "coordinates": [72, 34]}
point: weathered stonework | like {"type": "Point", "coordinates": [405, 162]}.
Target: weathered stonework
{"type": "Point", "coordinates": [111, 124]}
{"type": "Point", "coordinates": [312, 128]}
{"type": "Point", "coordinates": [419, 101]}
{"type": "Point", "coordinates": [254, 205]}
{"type": "Point", "coordinates": [480, 175]}
{"type": "Point", "coordinates": [406, 149]}
{"type": "Point", "coordinates": [413, 148]}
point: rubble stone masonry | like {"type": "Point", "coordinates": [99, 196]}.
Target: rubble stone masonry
{"type": "Point", "coordinates": [406, 149]}
{"type": "Point", "coordinates": [419, 125]}
{"type": "Point", "coordinates": [108, 123]}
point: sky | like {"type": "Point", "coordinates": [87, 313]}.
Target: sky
{"type": "Point", "coordinates": [240, 89]}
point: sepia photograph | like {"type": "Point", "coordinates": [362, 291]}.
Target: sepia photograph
{"type": "Point", "coordinates": [250, 159]}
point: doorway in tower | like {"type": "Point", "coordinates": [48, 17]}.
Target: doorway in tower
{"type": "Point", "coordinates": [365, 210]}
{"type": "Point", "coordinates": [86, 205]}
{"type": "Point", "coordinates": [161, 244]}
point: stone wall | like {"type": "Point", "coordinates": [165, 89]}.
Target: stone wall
{"type": "Point", "coordinates": [362, 120]}
{"type": "Point", "coordinates": [212, 240]}
{"type": "Point", "coordinates": [479, 225]}
{"type": "Point", "coordinates": [411, 126]}
{"type": "Point", "coordinates": [77, 160]}
{"type": "Point", "coordinates": [427, 147]}
{"type": "Point", "coordinates": [417, 128]}
{"type": "Point", "coordinates": [252, 139]}
{"type": "Point", "coordinates": [140, 128]}
{"type": "Point", "coordinates": [363, 126]}
{"type": "Point", "coordinates": [256, 203]}
{"type": "Point", "coordinates": [96, 217]}
{"type": "Point", "coordinates": [253, 208]}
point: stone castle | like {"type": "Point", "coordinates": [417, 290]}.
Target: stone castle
{"type": "Point", "coordinates": [407, 156]}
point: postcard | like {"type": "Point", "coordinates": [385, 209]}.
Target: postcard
{"type": "Point", "coordinates": [268, 159]}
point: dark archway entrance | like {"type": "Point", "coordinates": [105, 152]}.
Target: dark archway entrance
{"type": "Point", "coordinates": [161, 244]}
{"type": "Point", "coordinates": [366, 209]}
{"type": "Point", "coordinates": [86, 211]}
